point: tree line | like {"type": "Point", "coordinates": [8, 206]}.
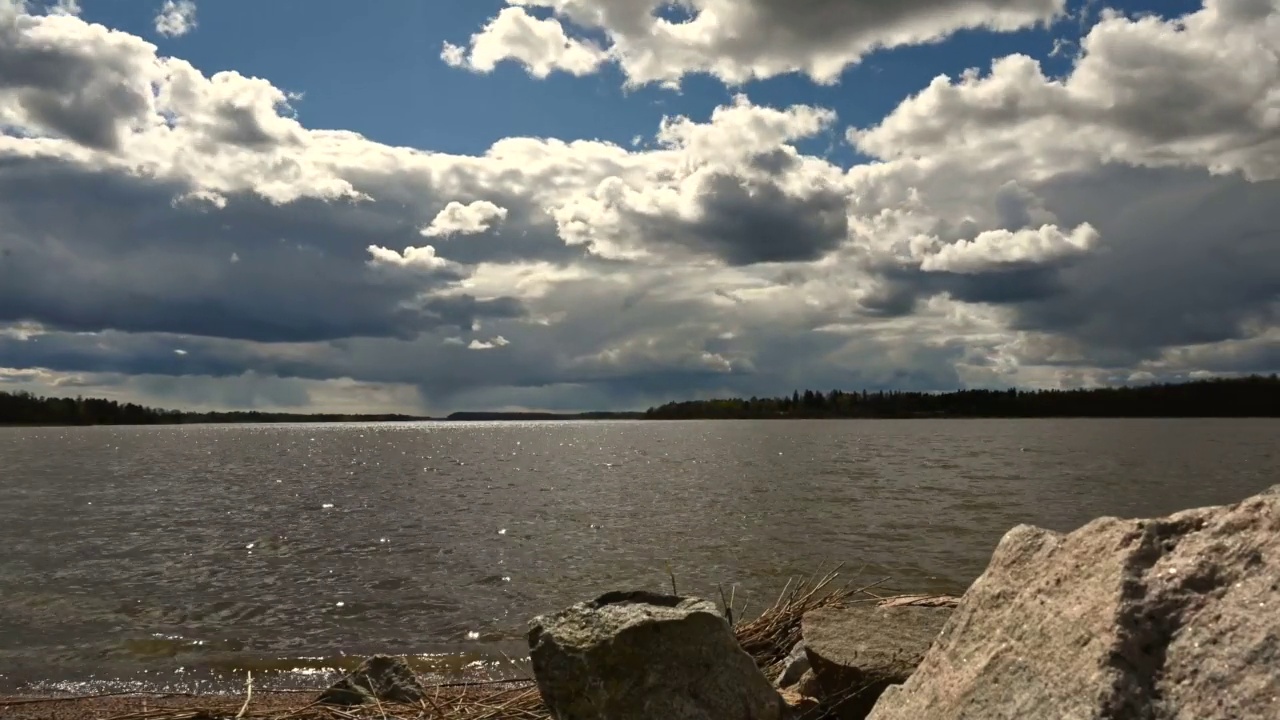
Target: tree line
{"type": "Point", "coordinates": [24, 408]}
{"type": "Point", "coordinates": [1253, 396]}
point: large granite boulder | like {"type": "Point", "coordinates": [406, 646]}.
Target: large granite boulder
{"type": "Point", "coordinates": [645, 656]}
{"type": "Point", "coordinates": [379, 679]}
{"type": "Point", "coordinates": [857, 652]}
{"type": "Point", "coordinates": [1171, 618]}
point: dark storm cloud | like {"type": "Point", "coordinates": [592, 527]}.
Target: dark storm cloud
{"type": "Point", "coordinates": [805, 26]}
{"type": "Point", "coordinates": [896, 290]}
{"type": "Point", "coordinates": [746, 221]}
{"type": "Point", "coordinates": [91, 94]}
{"type": "Point", "coordinates": [1004, 286]}
{"type": "Point", "coordinates": [526, 234]}
{"type": "Point", "coordinates": [438, 369]}
{"type": "Point", "coordinates": [1189, 258]}
{"type": "Point", "coordinates": [114, 352]}
{"type": "Point", "coordinates": [1185, 258]}
{"type": "Point", "coordinates": [90, 251]}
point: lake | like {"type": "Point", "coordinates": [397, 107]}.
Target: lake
{"type": "Point", "coordinates": [171, 556]}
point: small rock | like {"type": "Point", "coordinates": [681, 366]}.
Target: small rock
{"type": "Point", "coordinates": [646, 656]}
{"type": "Point", "coordinates": [377, 679]}
{"type": "Point", "coordinates": [1167, 619]}
{"type": "Point", "coordinates": [858, 652]}
{"type": "Point", "coordinates": [799, 706]}
{"type": "Point", "coordinates": [793, 666]}
{"type": "Point", "coordinates": [808, 685]}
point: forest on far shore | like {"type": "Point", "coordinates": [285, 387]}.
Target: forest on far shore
{"type": "Point", "coordinates": [24, 408]}
{"type": "Point", "coordinates": [1253, 396]}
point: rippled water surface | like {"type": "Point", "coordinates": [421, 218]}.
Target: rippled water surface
{"type": "Point", "coordinates": [164, 555]}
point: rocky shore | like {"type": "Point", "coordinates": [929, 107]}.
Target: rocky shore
{"type": "Point", "coordinates": [1155, 619]}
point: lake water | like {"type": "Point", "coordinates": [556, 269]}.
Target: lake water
{"type": "Point", "coordinates": [174, 555]}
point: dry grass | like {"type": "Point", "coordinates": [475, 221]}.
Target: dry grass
{"type": "Point", "coordinates": [768, 638]}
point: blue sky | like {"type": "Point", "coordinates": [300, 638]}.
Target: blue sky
{"type": "Point", "coordinates": [378, 71]}
{"type": "Point", "coordinates": [820, 196]}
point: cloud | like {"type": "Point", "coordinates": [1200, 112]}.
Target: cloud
{"type": "Point", "coordinates": [1008, 228]}
{"type": "Point", "coordinates": [1196, 91]}
{"type": "Point", "coordinates": [497, 342]}
{"type": "Point", "coordinates": [423, 258]}
{"type": "Point", "coordinates": [997, 249]}
{"type": "Point", "coordinates": [64, 77]}
{"type": "Point", "coordinates": [176, 18]}
{"type": "Point", "coordinates": [164, 268]}
{"type": "Point", "coordinates": [247, 391]}
{"type": "Point", "coordinates": [742, 193]}
{"type": "Point", "coordinates": [1154, 138]}
{"type": "Point", "coordinates": [65, 7]}
{"type": "Point", "coordinates": [734, 40]}
{"type": "Point", "coordinates": [740, 220]}
{"type": "Point", "coordinates": [541, 46]}
{"type": "Point", "coordinates": [472, 218]}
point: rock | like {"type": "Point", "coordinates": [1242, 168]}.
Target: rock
{"type": "Point", "coordinates": [1172, 618]}
{"type": "Point", "coordinates": [646, 656]}
{"type": "Point", "coordinates": [792, 667]}
{"type": "Point", "coordinates": [800, 706]}
{"type": "Point", "coordinates": [808, 685]}
{"type": "Point", "coordinates": [377, 679]}
{"type": "Point", "coordinates": [857, 652]}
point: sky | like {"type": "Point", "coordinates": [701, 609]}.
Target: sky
{"type": "Point", "coordinates": [433, 205]}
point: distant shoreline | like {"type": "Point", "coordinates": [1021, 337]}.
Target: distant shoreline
{"type": "Point", "coordinates": [277, 423]}
{"type": "Point", "coordinates": [1254, 396]}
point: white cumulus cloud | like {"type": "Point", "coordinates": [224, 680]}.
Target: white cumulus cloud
{"type": "Point", "coordinates": [541, 46]}
{"type": "Point", "coordinates": [469, 219]}
{"type": "Point", "coordinates": [1202, 90]}
{"type": "Point", "coordinates": [176, 18]}
{"type": "Point", "coordinates": [995, 249]}
{"type": "Point", "coordinates": [734, 40]}
{"type": "Point", "coordinates": [420, 258]}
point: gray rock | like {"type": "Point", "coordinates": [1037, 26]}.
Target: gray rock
{"type": "Point", "coordinates": [1172, 618]}
{"type": "Point", "coordinates": [857, 652]}
{"type": "Point", "coordinates": [377, 679]}
{"type": "Point", "coordinates": [792, 667]}
{"type": "Point", "coordinates": [645, 656]}
{"type": "Point", "coordinates": [800, 706]}
{"type": "Point", "coordinates": [808, 685]}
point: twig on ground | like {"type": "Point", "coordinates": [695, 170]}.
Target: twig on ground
{"type": "Point", "coordinates": [248, 694]}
